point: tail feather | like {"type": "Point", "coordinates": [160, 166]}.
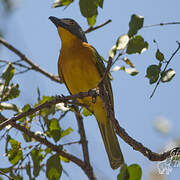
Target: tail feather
{"type": "Point", "coordinates": [110, 140]}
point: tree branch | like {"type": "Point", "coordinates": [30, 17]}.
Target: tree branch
{"type": "Point", "coordinates": [84, 142]}
{"type": "Point", "coordinates": [90, 29]}
{"type": "Point", "coordinates": [58, 99]}
{"type": "Point", "coordinates": [152, 156]}
{"type": "Point", "coordinates": [9, 177]}
{"type": "Point", "coordinates": [55, 148]}
{"type": "Point", "coordinates": [119, 130]}
{"type": "Point", "coordinates": [27, 60]}
{"type": "Point", "coordinates": [167, 63]}
{"type": "Point", "coordinates": [161, 24]}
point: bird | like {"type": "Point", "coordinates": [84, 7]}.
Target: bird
{"type": "Point", "coordinates": [81, 68]}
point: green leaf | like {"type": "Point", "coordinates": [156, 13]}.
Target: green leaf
{"type": "Point", "coordinates": [101, 3]}
{"type": "Point", "coordinates": [92, 20]}
{"type": "Point", "coordinates": [28, 170]}
{"type": "Point", "coordinates": [132, 71]}
{"type": "Point", "coordinates": [37, 157]}
{"type": "Point", "coordinates": [152, 73]}
{"type": "Point", "coordinates": [64, 159]}
{"type": "Point", "coordinates": [15, 156]}
{"type": "Point", "coordinates": [26, 107]}
{"type": "Point", "coordinates": [8, 74]}
{"type": "Point", "coordinates": [159, 55]}
{"type": "Point", "coordinates": [122, 42]}
{"type": "Point", "coordinates": [135, 24]}
{"type": "Point", "coordinates": [124, 174]}
{"type": "Point", "coordinates": [66, 132]}
{"type": "Point", "coordinates": [6, 170]}
{"type": "Point", "coordinates": [11, 92]}
{"type": "Point", "coordinates": [137, 45]}
{"type": "Point", "coordinates": [60, 3]}
{"type": "Point", "coordinates": [47, 151]}
{"type": "Point", "coordinates": [86, 112]}
{"type": "Point", "coordinates": [88, 8]}
{"type": "Point", "coordinates": [46, 111]}
{"type": "Point", "coordinates": [135, 172]}
{"type": "Point", "coordinates": [15, 153]}
{"type": "Point", "coordinates": [14, 144]}
{"type": "Point", "coordinates": [167, 75]}
{"type": "Point", "coordinates": [55, 130]}
{"type": "Point", "coordinates": [39, 94]}
{"type": "Point", "coordinates": [8, 106]}
{"type": "Point", "coordinates": [53, 168]}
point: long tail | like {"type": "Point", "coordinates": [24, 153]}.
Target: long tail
{"type": "Point", "coordinates": [110, 140]}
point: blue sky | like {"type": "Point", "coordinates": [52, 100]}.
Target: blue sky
{"type": "Point", "coordinates": [30, 31]}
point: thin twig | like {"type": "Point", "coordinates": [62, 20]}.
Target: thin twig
{"type": "Point", "coordinates": [90, 29]}
{"type": "Point", "coordinates": [70, 143]}
{"type": "Point", "coordinates": [9, 177]}
{"type": "Point", "coordinates": [84, 142]}
{"type": "Point", "coordinates": [161, 24]}
{"type": "Point", "coordinates": [109, 65]}
{"type": "Point", "coordinates": [167, 63]}
{"type": "Point", "coordinates": [27, 60]}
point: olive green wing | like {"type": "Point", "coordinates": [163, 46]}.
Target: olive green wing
{"type": "Point", "coordinates": [101, 68]}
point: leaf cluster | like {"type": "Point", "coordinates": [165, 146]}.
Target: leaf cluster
{"type": "Point", "coordinates": [26, 153]}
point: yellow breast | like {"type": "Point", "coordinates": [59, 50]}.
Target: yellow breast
{"type": "Point", "coordinates": [78, 68]}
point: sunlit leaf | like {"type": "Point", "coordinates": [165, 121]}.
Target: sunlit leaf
{"type": "Point", "coordinates": [92, 20]}
{"type": "Point", "coordinates": [8, 74]}
{"type": "Point", "coordinates": [11, 92]}
{"type": "Point", "coordinates": [137, 45]}
{"type": "Point", "coordinates": [88, 8]}
{"type": "Point", "coordinates": [15, 153]}
{"type": "Point", "coordinates": [64, 159]}
{"type": "Point", "coordinates": [135, 24]}
{"type": "Point", "coordinates": [152, 73]}
{"type": "Point", "coordinates": [8, 106]}
{"type": "Point", "coordinates": [118, 68]}
{"type": "Point", "coordinates": [132, 71]}
{"type": "Point", "coordinates": [112, 52]}
{"type": "Point", "coordinates": [66, 132]}
{"type": "Point", "coordinates": [62, 107]}
{"type": "Point", "coordinates": [60, 3]}
{"type": "Point", "coordinates": [122, 42]}
{"type": "Point", "coordinates": [128, 61]}
{"type": "Point", "coordinates": [86, 113]}
{"type": "Point", "coordinates": [15, 156]}
{"type": "Point", "coordinates": [135, 172]}
{"type": "Point", "coordinates": [167, 75]}
{"type": "Point", "coordinates": [53, 168]}
{"type": "Point", "coordinates": [124, 174]}
{"type": "Point", "coordinates": [55, 129]}
{"type": "Point", "coordinates": [159, 55]}
{"type": "Point", "coordinates": [14, 144]}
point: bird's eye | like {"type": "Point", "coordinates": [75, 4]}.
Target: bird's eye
{"type": "Point", "coordinates": [71, 23]}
